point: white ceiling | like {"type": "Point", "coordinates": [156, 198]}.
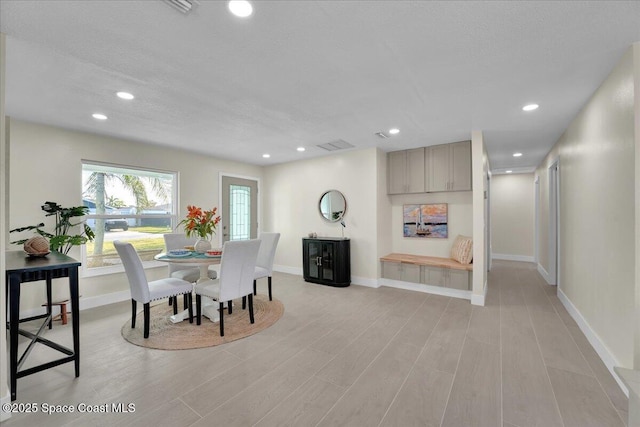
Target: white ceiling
{"type": "Point", "coordinates": [305, 73]}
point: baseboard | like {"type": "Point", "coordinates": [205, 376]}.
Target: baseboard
{"type": "Point", "coordinates": [286, 269]}
{"type": "Point", "coordinates": [100, 300]}
{"type": "Point", "coordinates": [363, 281]}
{"type": "Point", "coordinates": [480, 299]}
{"type": "Point", "coordinates": [429, 289]}
{"type": "Point", "coordinates": [607, 358]}
{"type": "Point", "coordinates": [544, 274]}
{"type": "Point", "coordinates": [507, 257]}
{"type": "Point", "coordinates": [5, 400]}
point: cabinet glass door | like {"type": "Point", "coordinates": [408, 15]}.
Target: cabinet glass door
{"type": "Point", "coordinates": [327, 261]}
{"type": "Point", "coordinates": [315, 251]}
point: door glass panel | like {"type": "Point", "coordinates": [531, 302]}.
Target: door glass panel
{"type": "Point", "coordinates": [240, 209]}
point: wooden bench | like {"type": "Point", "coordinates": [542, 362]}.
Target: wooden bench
{"type": "Point", "coordinates": [427, 260]}
{"type": "Point", "coordinates": [428, 270]}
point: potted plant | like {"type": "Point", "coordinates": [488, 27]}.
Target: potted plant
{"type": "Point", "coordinates": [201, 224]}
{"type": "Point", "coordinates": [61, 240]}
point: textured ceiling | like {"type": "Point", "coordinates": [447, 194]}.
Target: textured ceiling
{"type": "Point", "coordinates": [303, 73]}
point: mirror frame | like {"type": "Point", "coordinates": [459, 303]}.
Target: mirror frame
{"type": "Point", "coordinates": [344, 199]}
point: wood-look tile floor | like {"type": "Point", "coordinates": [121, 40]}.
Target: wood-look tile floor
{"type": "Point", "coordinates": [348, 356]}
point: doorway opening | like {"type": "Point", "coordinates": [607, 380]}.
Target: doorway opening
{"type": "Point", "coordinates": [554, 223]}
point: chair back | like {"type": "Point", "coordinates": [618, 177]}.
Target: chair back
{"type": "Point", "coordinates": [267, 251]}
{"type": "Point", "coordinates": [237, 267]}
{"type": "Point", "coordinates": [134, 270]}
{"type": "Point", "coordinates": [177, 241]}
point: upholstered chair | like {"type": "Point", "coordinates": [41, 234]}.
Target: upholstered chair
{"type": "Point", "coordinates": [264, 263]}
{"type": "Point", "coordinates": [237, 267]}
{"type": "Point", "coordinates": [144, 291]}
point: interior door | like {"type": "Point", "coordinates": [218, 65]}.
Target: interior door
{"type": "Point", "coordinates": [239, 209]}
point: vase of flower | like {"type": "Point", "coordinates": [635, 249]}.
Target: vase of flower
{"type": "Point", "coordinates": [201, 224]}
{"type": "Point", "coordinates": [202, 245]}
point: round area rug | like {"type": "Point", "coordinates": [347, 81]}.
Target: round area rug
{"type": "Point", "coordinates": [165, 335]}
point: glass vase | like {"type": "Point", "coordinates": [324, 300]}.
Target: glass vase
{"type": "Point", "coordinates": [202, 245]}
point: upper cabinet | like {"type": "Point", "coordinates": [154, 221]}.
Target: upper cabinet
{"type": "Point", "coordinates": [449, 167]}
{"type": "Point", "coordinates": [444, 167]}
{"type": "Point", "coordinates": [406, 171]}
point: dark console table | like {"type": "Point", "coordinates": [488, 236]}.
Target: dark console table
{"type": "Point", "coordinates": [22, 269]}
{"type": "Point", "coordinates": [327, 261]}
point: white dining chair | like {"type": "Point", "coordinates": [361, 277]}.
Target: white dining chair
{"type": "Point", "coordinates": [144, 291]}
{"type": "Point", "coordinates": [237, 267]}
{"type": "Point", "coordinates": [264, 263]}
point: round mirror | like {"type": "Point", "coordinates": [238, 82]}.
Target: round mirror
{"type": "Point", "coordinates": [332, 206]}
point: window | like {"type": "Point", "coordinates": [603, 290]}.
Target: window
{"type": "Point", "coordinates": [129, 204]}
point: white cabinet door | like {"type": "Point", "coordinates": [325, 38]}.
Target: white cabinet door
{"type": "Point", "coordinates": [460, 173]}
{"type": "Point", "coordinates": [415, 171]}
{"type": "Point", "coordinates": [397, 172]}
{"type": "Point", "coordinates": [434, 276]}
{"type": "Point", "coordinates": [392, 270]}
{"type": "Point", "coordinates": [458, 279]}
{"type": "Point", "coordinates": [411, 273]}
{"type": "Point", "coordinates": [439, 163]}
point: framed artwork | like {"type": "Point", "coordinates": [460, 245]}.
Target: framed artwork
{"type": "Point", "coordinates": [425, 220]}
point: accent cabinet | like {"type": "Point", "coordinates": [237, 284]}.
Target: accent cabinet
{"type": "Point", "coordinates": [327, 261]}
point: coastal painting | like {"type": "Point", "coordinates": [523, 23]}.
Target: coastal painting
{"type": "Point", "coordinates": [425, 220]}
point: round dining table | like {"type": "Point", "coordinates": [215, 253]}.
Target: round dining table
{"type": "Point", "coordinates": [202, 261]}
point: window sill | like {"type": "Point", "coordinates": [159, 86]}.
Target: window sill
{"type": "Point", "coordinates": [103, 271]}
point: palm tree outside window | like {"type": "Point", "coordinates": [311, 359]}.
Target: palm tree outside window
{"type": "Point", "coordinates": [126, 203]}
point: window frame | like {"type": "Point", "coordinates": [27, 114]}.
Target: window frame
{"type": "Point", "coordinates": [85, 271]}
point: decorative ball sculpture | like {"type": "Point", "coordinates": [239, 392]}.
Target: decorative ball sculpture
{"type": "Point", "coordinates": [37, 246]}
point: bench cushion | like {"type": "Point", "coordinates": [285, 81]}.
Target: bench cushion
{"type": "Point", "coordinates": [462, 249]}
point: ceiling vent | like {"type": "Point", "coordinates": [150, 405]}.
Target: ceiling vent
{"type": "Point", "coordinates": [336, 145]}
{"type": "Point", "coordinates": [183, 6]}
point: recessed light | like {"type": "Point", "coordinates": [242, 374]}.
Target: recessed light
{"type": "Point", "coordinates": [240, 8]}
{"type": "Point", "coordinates": [266, 156]}
{"type": "Point", "coordinates": [394, 131]}
{"type": "Point", "coordinates": [99, 116]}
{"type": "Point", "coordinates": [125, 95]}
{"type": "Point", "coordinates": [301, 149]}
{"type": "Point", "coordinates": [530, 107]}
{"type": "Point", "coordinates": [508, 171]}
{"type": "Point", "coordinates": [517, 154]}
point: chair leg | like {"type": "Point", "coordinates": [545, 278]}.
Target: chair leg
{"type": "Point", "coordinates": [254, 288]}
{"type": "Point", "coordinates": [221, 320]}
{"type": "Point", "coordinates": [244, 302]}
{"type": "Point", "coordinates": [184, 302]}
{"type": "Point", "coordinates": [133, 314]}
{"type": "Point", "coordinates": [170, 301]}
{"type": "Point", "coordinates": [251, 308]}
{"type": "Point", "coordinates": [175, 304]}
{"type": "Point", "coordinates": [188, 298]}
{"type": "Point", "coordinates": [147, 316]}
{"type": "Point", "coordinates": [229, 305]}
{"type": "Point", "coordinates": [269, 279]}
{"type": "Point", "coordinates": [198, 309]}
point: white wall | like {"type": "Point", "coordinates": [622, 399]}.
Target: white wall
{"type": "Point", "coordinates": [460, 221]}
{"type": "Point", "coordinates": [46, 165]}
{"type": "Point", "coordinates": [597, 220]}
{"type": "Point", "coordinates": [512, 216]}
{"type": "Point", "coordinates": [292, 193]}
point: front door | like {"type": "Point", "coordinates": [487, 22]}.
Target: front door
{"type": "Point", "coordinates": [239, 209]}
